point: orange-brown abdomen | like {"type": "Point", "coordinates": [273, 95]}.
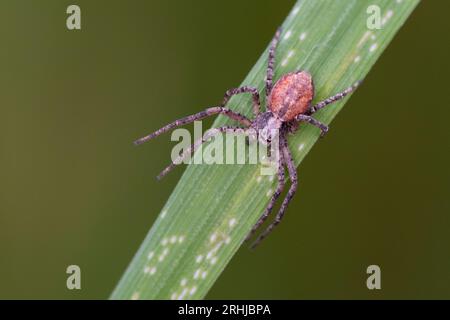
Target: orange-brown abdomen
{"type": "Point", "coordinates": [291, 95]}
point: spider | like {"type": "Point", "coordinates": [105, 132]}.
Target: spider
{"type": "Point", "coordinates": [288, 103]}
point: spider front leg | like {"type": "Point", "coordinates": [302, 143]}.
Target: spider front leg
{"type": "Point", "coordinates": [271, 63]}
{"type": "Point", "coordinates": [334, 98]}
{"type": "Point", "coordinates": [287, 156]}
{"type": "Point", "coordinates": [273, 200]}
{"type": "Point", "coordinates": [198, 116]}
{"type": "Point", "coordinates": [244, 89]}
{"type": "Point", "coordinates": [323, 128]}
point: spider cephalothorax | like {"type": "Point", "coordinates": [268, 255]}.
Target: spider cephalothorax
{"type": "Point", "coordinates": [265, 126]}
{"type": "Point", "coordinates": [288, 103]}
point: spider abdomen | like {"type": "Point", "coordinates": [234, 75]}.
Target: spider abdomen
{"type": "Point", "coordinates": [291, 95]}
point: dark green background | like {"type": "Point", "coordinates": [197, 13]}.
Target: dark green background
{"type": "Point", "coordinates": [73, 189]}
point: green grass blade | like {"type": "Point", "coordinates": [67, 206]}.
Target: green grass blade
{"type": "Point", "coordinates": [213, 207]}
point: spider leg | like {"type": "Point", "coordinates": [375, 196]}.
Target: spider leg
{"type": "Point", "coordinates": [244, 89]}
{"type": "Point", "coordinates": [271, 62]}
{"type": "Point", "coordinates": [305, 118]}
{"type": "Point", "coordinates": [287, 156]}
{"type": "Point", "coordinates": [198, 116]}
{"type": "Point", "coordinates": [273, 200]}
{"type": "Point", "coordinates": [334, 98]}
{"type": "Point", "coordinates": [189, 151]}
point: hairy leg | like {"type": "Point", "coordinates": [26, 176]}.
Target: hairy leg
{"type": "Point", "coordinates": [271, 63]}
{"type": "Point", "coordinates": [293, 176]}
{"type": "Point", "coordinates": [304, 118]}
{"type": "Point", "coordinates": [273, 200]}
{"type": "Point", "coordinates": [244, 89]}
{"type": "Point", "coordinates": [198, 116]}
{"type": "Point", "coordinates": [334, 98]}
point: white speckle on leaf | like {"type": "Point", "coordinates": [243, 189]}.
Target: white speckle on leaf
{"type": "Point", "coordinates": [173, 296]}
{"type": "Point", "coordinates": [373, 47]}
{"type": "Point", "coordinates": [161, 257]}
{"type": "Point", "coordinates": [199, 258]}
{"type": "Point", "coordinates": [183, 282]}
{"type": "Point", "coordinates": [213, 260]}
{"type": "Point", "coordinates": [197, 273]}
{"type": "Point", "coordinates": [164, 241]}
{"type": "Point", "coordinates": [214, 250]}
{"type": "Point", "coordinates": [152, 270]}
{"type": "Point", "coordinates": [182, 294]}
{"type": "Point", "coordinates": [135, 296]}
{"type": "Point", "coordinates": [213, 237]}
{"type": "Point", "coordinates": [258, 179]}
{"type": "Point", "coordinates": [180, 239]}
{"type": "Point", "coordinates": [204, 273]}
{"type": "Point", "coordinates": [227, 240]}
{"type": "Point", "coordinates": [399, 1]}
{"type": "Point", "coordinates": [163, 214]}
{"type": "Point", "coordinates": [302, 36]}
{"type": "Point", "coordinates": [301, 146]}
{"type": "Point", "coordinates": [386, 18]}
{"type": "Point", "coordinates": [357, 59]}
{"type": "Point", "coordinates": [232, 222]}
{"type": "Point", "coordinates": [173, 239]}
{"type": "Point", "coordinates": [295, 10]}
{"type": "Point", "coordinates": [288, 34]}
{"type": "Point", "coordinates": [269, 193]}
{"type": "Point", "coordinates": [150, 255]}
{"type": "Point", "coordinates": [363, 39]}
{"type": "Point", "coordinates": [285, 60]}
{"type": "Point", "coordinates": [193, 290]}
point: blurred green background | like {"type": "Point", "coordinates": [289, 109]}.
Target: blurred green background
{"type": "Point", "coordinates": [74, 190]}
